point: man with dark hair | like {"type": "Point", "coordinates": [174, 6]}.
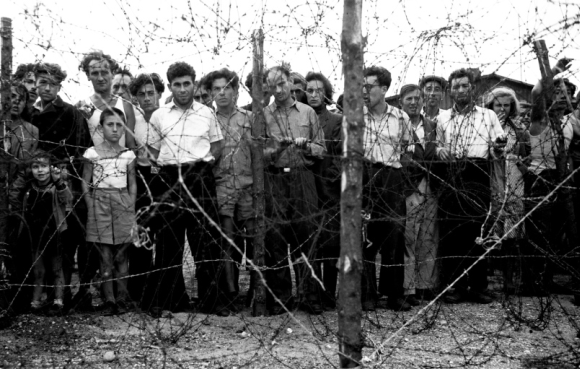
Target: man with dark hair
{"type": "Point", "coordinates": [186, 141]}
{"type": "Point", "coordinates": [120, 85]}
{"type": "Point", "coordinates": [147, 90]}
{"type": "Point", "coordinates": [471, 137]}
{"type": "Point", "coordinates": [234, 172]}
{"type": "Point", "coordinates": [265, 90]}
{"type": "Point", "coordinates": [385, 136]}
{"type": "Point", "coordinates": [319, 95]}
{"type": "Point", "coordinates": [201, 94]}
{"type": "Point", "coordinates": [421, 228]}
{"type": "Point", "coordinates": [298, 89]}
{"type": "Point", "coordinates": [25, 74]}
{"type": "Point", "coordinates": [63, 132]}
{"type": "Point", "coordinates": [295, 142]}
{"type": "Point", "coordinates": [99, 69]}
{"type": "Point", "coordinates": [433, 89]}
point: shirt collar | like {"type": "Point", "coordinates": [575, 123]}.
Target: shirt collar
{"type": "Point", "coordinates": [454, 110]}
{"type": "Point", "coordinates": [294, 105]}
{"type": "Point", "coordinates": [56, 102]}
{"type": "Point", "coordinates": [195, 106]}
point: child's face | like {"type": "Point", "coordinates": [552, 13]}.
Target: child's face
{"type": "Point", "coordinates": [113, 128]}
{"type": "Point", "coordinates": [41, 170]}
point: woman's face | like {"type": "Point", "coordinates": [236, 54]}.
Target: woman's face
{"type": "Point", "coordinates": [502, 104]}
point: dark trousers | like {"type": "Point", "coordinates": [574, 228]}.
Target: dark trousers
{"type": "Point", "coordinates": [545, 228]}
{"type": "Point", "coordinates": [291, 203]}
{"type": "Point", "coordinates": [383, 197]}
{"type": "Point", "coordinates": [329, 246]}
{"type": "Point", "coordinates": [170, 221]}
{"type": "Point", "coordinates": [463, 208]}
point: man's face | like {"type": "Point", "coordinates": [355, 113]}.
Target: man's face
{"type": "Point", "coordinates": [315, 93]}
{"type": "Point", "coordinates": [279, 86]}
{"type": "Point", "coordinates": [223, 93]}
{"type": "Point", "coordinates": [41, 170]}
{"type": "Point", "coordinates": [17, 101]}
{"type": "Point", "coordinates": [120, 86]}
{"type": "Point", "coordinates": [100, 75]}
{"type": "Point", "coordinates": [29, 82]}
{"type": "Point", "coordinates": [182, 90]}
{"type": "Point", "coordinates": [559, 96]}
{"type": "Point", "coordinates": [461, 90]}
{"type": "Point", "coordinates": [47, 88]}
{"type": "Point", "coordinates": [412, 103]}
{"type": "Point", "coordinates": [297, 90]}
{"type": "Point", "coordinates": [201, 95]}
{"type": "Point", "coordinates": [113, 128]}
{"type": "Point", "coordinates": [373, 94]}
{"type": "Point", "coordinates": [148, 98]}
{"type": "Point", "coordinates": [433, 93]}
{"type": "Point", "coordinates": [502, 105]}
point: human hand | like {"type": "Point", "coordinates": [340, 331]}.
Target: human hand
{"type": "Point", "coordinates": [501, 116]}
{"type": "Point", "coordinates": [445, 154]}
{"type": "Point", "coordinates": [301, 142]}
{"type": "Point", "coordinates": [563, 64]}
{"type": "Point", "coordinates": [55, 173]}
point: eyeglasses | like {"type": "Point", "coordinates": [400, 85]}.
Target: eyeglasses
{"type": "Point", "coordinates": [368, 87]}
{"type": "Point", "coordinates": [318, 91]}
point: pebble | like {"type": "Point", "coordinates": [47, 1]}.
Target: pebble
{"type": "Point", "coordinates": [289, 330]}
{"type": "Point", "coordinates": [109, 356]}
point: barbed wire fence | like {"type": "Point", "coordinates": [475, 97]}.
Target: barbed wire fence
{"type": "Point", "coordinates": [513, 331]}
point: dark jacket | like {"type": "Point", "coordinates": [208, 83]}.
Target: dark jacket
{"type": "Point", "coordinates": [328, 169]}
{"type": "Point", "coordinates": [423, 161]}
{"type": "Point", "coordinates": [61, 202]}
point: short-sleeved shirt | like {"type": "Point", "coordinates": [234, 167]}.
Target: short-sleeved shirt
{"type": "Point", "coordinates": [183, 136]}
{"type": "Point", "coordinates": [545, 146]}
{"type": "Point", "coordinates": [470, 134]}
{"type": "Point", "coordinates": [94, 122]}
{"type": "Point", "coordinates": [236, 159]}
{"type": "Point", "coordinates": [384, 137]}
{"type": "Point", "coordinates": [110, 172]}
{"type": "Point", "coordinates": [297, 120]}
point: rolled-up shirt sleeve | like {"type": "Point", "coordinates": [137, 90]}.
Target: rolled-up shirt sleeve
{"type": "Point", "coordinates": [215, 133]}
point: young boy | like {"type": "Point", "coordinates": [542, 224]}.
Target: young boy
{"type": "Point", "coordinates": [45, 201]}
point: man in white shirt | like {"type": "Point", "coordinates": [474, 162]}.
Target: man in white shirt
{"type": "Point", "coordinates": [386, 134]}
{"type": "Point", "coordinates": [470, 137]}
{"type": "Point", "coordinates": [185, 142]}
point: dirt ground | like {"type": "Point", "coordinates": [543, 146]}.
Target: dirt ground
{"type": "Point", "coordinates": [514, 333]}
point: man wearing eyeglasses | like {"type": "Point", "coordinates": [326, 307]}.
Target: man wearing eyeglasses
{"type": "Point", "coordinates": [295, 142]}
{"type": "Point", "coordinates": [386, 134]}
{"type": "Point", "coordinates": [319, 95]}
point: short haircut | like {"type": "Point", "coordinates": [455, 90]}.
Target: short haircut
{"type": "Point", "coordinates": [112, 112]}
{"type": "Point", "coordinates": [123, 71]}
{"type": "Point", "coordinates": [97, 55]}
{"type": "Point", "coordinates": [382, 74]}
{"type": "Point", "coordinates": [52, 70]}
{"type": "Point", "coordinates": [40, 154]}
{"type": "Point", "coordinates": [180, 69]}
{"type": "Point", "coordinates": [503, 92]}
{"type": "Point", "coordinates": [432, 78]}
{"type": "Point", "coordinates": [231, 78]}
{"type": "Point", "coordinates": [461, 73]}
{"type": "Point", "coordinates": [280, 68]}
{"type": "Point", "coordinates": [250, 79]}
{"type": "Point", "coordinates": [567, 83]}
{"type": "Point", "coordinates": [328, 90]}
{"type": "Point", "coordinates": [21, 90]}
{"type": "Point", "coordinates": [144, 79]}
{"type": "Point", "coordinates": [407, 89]}
{"type": "Point", "coordinates": [297, 78]}
{"type": "Point", "coordinates": [23, 70]}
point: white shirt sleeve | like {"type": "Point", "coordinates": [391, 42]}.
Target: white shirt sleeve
{"type": "Point", "coordinates": [215, 133]}
{"type": "Point", "coordinates": [91, 154]}
{"type": "Point", "coordinates": [154, 136]}
{"type": "Point", "coordinates": [495, 129]}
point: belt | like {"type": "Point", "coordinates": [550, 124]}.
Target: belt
{"type": "Point", "coordinates": [286, 170]}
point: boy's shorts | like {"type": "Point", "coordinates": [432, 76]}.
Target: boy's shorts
{"type": "Point", "coordinates": [234, 201]}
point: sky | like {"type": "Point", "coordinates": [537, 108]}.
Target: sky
{"type": "Point", "coordinates": [410, 38]}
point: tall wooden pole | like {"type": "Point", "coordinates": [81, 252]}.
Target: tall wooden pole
{"type": "Point", "coordinates": [258, 132]}
{"type": "Point", "coordinates": [351, 262]}
{"type": "Point", "coordinates": [6, 71]}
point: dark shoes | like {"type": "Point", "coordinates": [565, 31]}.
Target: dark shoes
{"type": "Point", "coordinates": [412, 300]}
{"type": "Point", "coordinates": [398, 304]}
{"type": "Point", "coordinates": [312, 307]}
{"type": "Point", "coordinates": [455, 297]}
{"type": "Point", "coordinates": [479, 297]}
{"type": "Point", "coordinates": [369, 305]}
{"type": "Point", "coordinates": [109, 309]}
{"type": "Point", "coordinates": [55, 310]}
{"type": "Point", "coordinates": [125, 306]}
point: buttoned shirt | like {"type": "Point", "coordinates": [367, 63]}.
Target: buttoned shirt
{"type": "Point", "coordinates": [469, 134]}
{"type": "Point", "coordinates": [183, 136]}
{"type": "Point", "coordinates": [385, 137]}
{"type": "Point", "coordinates": [236, 159]}
{"type": "Point", "coordinates": [297, 120]}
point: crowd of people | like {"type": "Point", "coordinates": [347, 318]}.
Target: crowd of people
{"type": "Point", "coordinates": [114, 185]}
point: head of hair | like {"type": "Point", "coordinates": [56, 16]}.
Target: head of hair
{"type": "Point", "coordinates": [282, 69]}
{"type": "Point", "coordinates": [112, 112]}
{"type": "Point", "coordinates": [461, 73]}
{"type": "Point", "coordinates": [52, 70]}
{"type": "Point", "coordinates": [231, 78]}
{"type": "Point", "coordinates": [382, 74]}
{"type": "Point", "coordinates": [144, 79]}
{"type": "Point", "coordinates": [339, 102]}
{"type": "Point", "coordinates": [23, 70]}
{"type": "Point", "coordinates": [123, 71]}
{"type": "Point", "coordinates": [21, 90]}
{"type": "Point", "coordinates": [250, 80]}
{"type": "Point", "coordinates": [328, 90]}
{"type": "Point", "coordinates": [97, 55]}
{"type": "Point", "coordinates": [568, 84]}
{"type": "Point", "coordinates": [442, 82]}
{"type": "Point", "coordinates": [407, 89]}
{"type": "Point", "coordinates": [503, 92]}
{"type": "Point", "coordinates": [180, 69]}
{"type": "Point", "coordinates": [296, 78]}
{"type": "Point", "coordinates": [40, 154]}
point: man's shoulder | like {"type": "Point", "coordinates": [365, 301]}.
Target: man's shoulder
{"type": "Point", "coordinates": [301, 107]}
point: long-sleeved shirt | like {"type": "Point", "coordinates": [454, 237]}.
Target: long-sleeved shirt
{"type": "Point", "coordinates": [297, 120]}
{"type": "Point", "coordinates": [470, 134]}
{"type": "Point", "coordinates": [385, 138]}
